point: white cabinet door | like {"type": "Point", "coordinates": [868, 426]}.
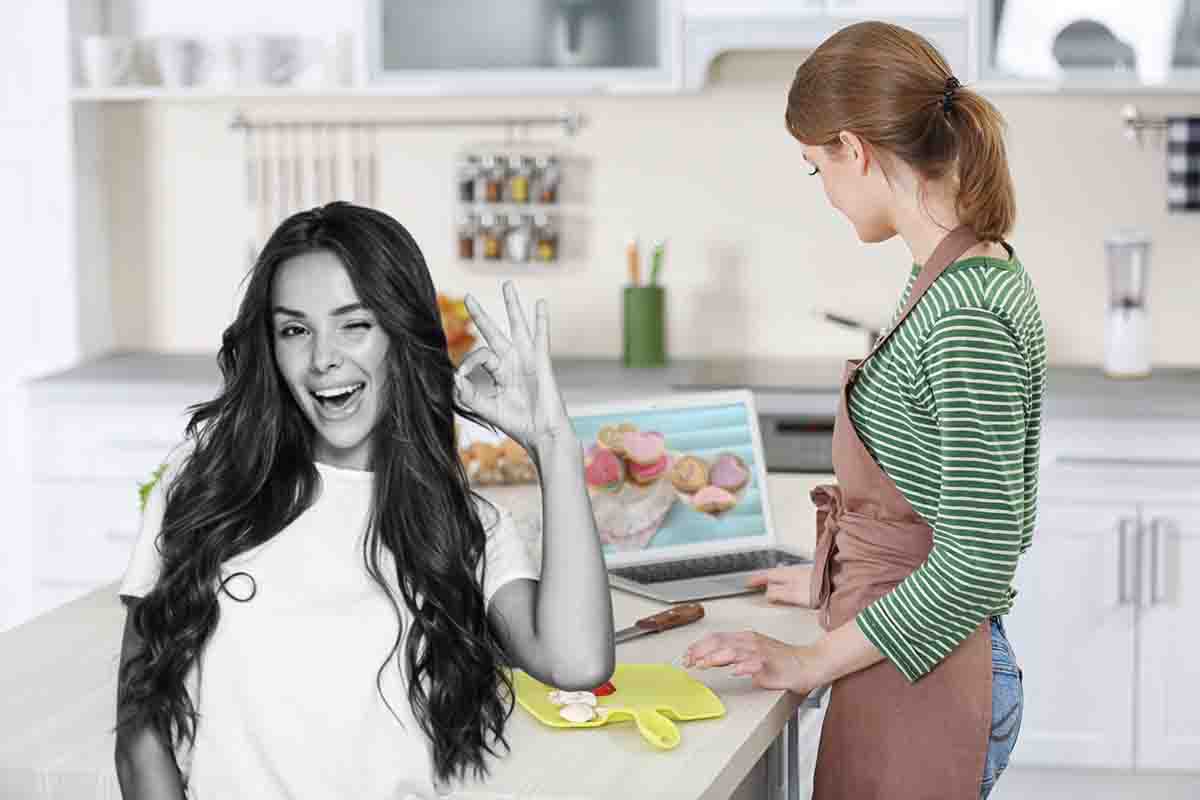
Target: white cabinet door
{"type": "Point", "coordinates": [1072, 630]}
{"type": "Point", "coordinates": [38, 324]}
{"type": "Point", "coordinates": [895, 9]}
{"type": "Point", "coordinates": [1169, 667]}
{"type": "Point", "coordinates": [753, 8]}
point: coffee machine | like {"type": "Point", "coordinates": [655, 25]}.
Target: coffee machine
{"type": "Point", "coordinates": [1127, 326]}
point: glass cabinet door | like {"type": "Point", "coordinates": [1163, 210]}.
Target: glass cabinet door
{"type": "Point", "coordinates": [1149, 42]}
{"type": "Point", "coordinates": [489, 40]}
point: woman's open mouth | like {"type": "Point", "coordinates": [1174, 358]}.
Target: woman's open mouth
{"type": "Point", "coordinates": [338, 402]}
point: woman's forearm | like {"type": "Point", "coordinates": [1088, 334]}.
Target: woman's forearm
{"type": "Point", "coordinates": [842, 651]}
{"type": "Point", "coordinates": [146, 768]}
{"type": "Point", "coordinates": [574, 607]}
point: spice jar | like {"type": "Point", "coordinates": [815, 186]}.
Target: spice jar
{"type": "Point", "coordinates": [468, 175]}
{"type": "Point", "coordinates": [520, 172]}
{"type": "Point", "coordinates": [545, 236]}
{"type": "Point", "coordinates": [548, 176]}
{"type": "Point", "coordinates": [519, 238]}
{"type": "Point", "coordinates": [494, 174]}
{"type": "Point", "coordinates": [491, 237]}
{"type": "Point", "coordinates": [468, 229]}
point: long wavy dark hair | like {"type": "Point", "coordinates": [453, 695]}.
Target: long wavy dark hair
{"type": "Point", "coordinates": [251, 473]}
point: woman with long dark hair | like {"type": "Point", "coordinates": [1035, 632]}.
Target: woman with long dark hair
{"type": "Point", "coordinates": [935, 448]}
{"type": "Point", "coordinates": [318, 604]}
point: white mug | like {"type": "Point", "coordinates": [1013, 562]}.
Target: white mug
{"type": "Point", "coordinates": [267, 60]}
{"type": "Point", "coordinates": [220, 63]}
{"type": "Point", "coordinates": [179, 60]}
{"type": "Point", "coordinates": [105, 60]}
{"type": "Point", "coordinates": [326, 61]}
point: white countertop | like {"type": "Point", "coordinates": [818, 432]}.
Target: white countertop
{"type": "Point", "coordinates": [57, 700]}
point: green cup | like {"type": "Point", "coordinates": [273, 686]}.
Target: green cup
{"type": "Point", "coordinates": [643, 325]}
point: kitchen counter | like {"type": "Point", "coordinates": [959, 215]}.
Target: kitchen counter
{"type": "Point", "coordinates": [800, 386]}
{"type": "Point", "coordinates": [57, 695]}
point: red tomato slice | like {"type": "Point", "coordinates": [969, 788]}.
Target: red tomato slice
{"type": "Point", "coordinates": [603, 689]}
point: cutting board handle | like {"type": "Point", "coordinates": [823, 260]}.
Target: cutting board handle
{"type": "Point", "coordinates": [655, 728]}
{"type": "Point", "coordinates": [672, 617]}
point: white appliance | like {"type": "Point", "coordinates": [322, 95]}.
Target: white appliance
{"type": "Point", "coordinates": [1127, 326]}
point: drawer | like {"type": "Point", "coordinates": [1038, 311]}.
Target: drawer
{"type": "Point", "coordinates": [84, 532]}
{"type": "Point", "coordinates": [101, 442]}
{"type": "Point", "coordinates": [1103, 443]}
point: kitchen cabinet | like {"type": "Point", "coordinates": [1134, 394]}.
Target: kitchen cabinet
{"type": "Point", "coordinates": [86, 462]}
{"type": "Point", "coordinates": [1074, 640]}
{"type": "Point", "coordinates": [478, 46]}
{"type": "Point", "coordinates": [1106, 615]}
{"type": "Point", "coordinates": [882, 9]}
{"type": "Point", "coordinates": [1168, 719]}
{"type": "Point", "coordinates": [1075, 45]}
{"type": "Point", "coordinates": [712, 28]}
{"type": "Point", "coordinates": [40, 325]}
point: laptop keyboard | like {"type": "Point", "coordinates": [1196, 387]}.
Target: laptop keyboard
{"type": "Point", "coordinates": [705, 566]}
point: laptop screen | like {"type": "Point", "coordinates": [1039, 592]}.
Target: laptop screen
{"type": "Point", "coordinates": [675, 476]}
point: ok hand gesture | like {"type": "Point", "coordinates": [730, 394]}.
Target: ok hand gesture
{"type": "Point", "coordinates": [524, 400]}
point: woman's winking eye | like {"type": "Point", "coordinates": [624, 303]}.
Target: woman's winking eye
{"type": "Point", "coordinates": [292, 329]}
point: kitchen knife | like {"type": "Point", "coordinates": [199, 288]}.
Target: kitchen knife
{"type": "Point", "coordinates": [671, 618]}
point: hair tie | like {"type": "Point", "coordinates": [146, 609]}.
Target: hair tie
{"type": "Point", "coordinates": [948, 93]}
{"type": "Point", "coordinates": [253, 587]}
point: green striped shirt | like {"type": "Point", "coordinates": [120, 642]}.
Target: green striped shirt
{"type": "Point", "coordinates": [951, 408]}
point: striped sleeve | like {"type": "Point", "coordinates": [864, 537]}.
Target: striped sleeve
{"type": "Point", "coordinates": [976, 381]}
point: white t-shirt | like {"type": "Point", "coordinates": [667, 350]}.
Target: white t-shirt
{"type": "Point", "coordinates": [288, 702]}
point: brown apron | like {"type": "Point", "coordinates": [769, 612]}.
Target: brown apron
{"type": "Point", "coordinates": [882, 736]}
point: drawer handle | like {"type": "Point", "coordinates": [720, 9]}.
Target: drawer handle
{"type": "Point", "coordinates": [804, 426]}
{"type": "Point", "coordinates": [1107, 461]}
{"type": "Point", "coordinates": [1123, 526]}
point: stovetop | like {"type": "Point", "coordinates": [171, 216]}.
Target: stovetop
{"type": "Point", "coordinates": [803, 376]}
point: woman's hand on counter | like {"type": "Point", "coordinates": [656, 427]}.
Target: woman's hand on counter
{"type": "Point", "coordinates": [771, 664]}
{"type": "Point", "coordinates": [789, 585]}
{"type": "Point", "coordinates": [778, 665]}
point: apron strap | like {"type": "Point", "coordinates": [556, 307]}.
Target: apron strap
{"type": "Point", "coordinates": [952, 245]}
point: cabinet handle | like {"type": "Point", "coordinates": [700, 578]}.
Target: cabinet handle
{"type": "Point", "coordinates": [1122, 546]}
{"type": "Point", "coordinates": [1155, 561]}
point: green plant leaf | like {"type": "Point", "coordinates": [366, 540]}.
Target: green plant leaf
{"type": "Point", "coordinates": [144, 489]}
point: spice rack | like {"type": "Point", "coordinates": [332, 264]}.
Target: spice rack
{"type": "Point", "coordinates": [513, 206]}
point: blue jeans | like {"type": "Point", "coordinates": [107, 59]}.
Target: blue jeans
{"type": "Point", "coordinates": [1008, 699]}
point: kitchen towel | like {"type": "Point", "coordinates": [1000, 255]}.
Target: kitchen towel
{"type": "Point", "coordinates": [1183, 163]}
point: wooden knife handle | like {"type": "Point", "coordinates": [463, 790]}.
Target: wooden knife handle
{"type": "Point", "coordinates": [672, 617]}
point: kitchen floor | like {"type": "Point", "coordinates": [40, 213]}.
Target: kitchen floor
{"type": "Point", "coordinates": [1035, 784]}
{"type": "Point", "coordinates": [1042, 784]}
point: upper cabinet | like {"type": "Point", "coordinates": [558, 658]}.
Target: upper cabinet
{"type": "Point", "coordinates": [574, 47]}
{"type": "Point", "coordinates": [544, 46]}
{"type": "Point", "coordinates": [714, 27]}
{"type": "Point", "coordinates": [1088, 45]}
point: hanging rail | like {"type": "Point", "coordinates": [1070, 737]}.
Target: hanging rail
{"type": "Point", "coordinates": [569, 121]}
{"type": "Point", "coordinates": [1136, 122]}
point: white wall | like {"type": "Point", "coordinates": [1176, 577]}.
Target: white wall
{"type": "Point", "coordinates": [753, 244]}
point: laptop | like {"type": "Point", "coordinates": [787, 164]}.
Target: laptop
{"type": "Point", "coordinates": [656, 542]}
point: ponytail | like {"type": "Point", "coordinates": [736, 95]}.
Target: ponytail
{"type": "Point", "coordinates": [986, 200]}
